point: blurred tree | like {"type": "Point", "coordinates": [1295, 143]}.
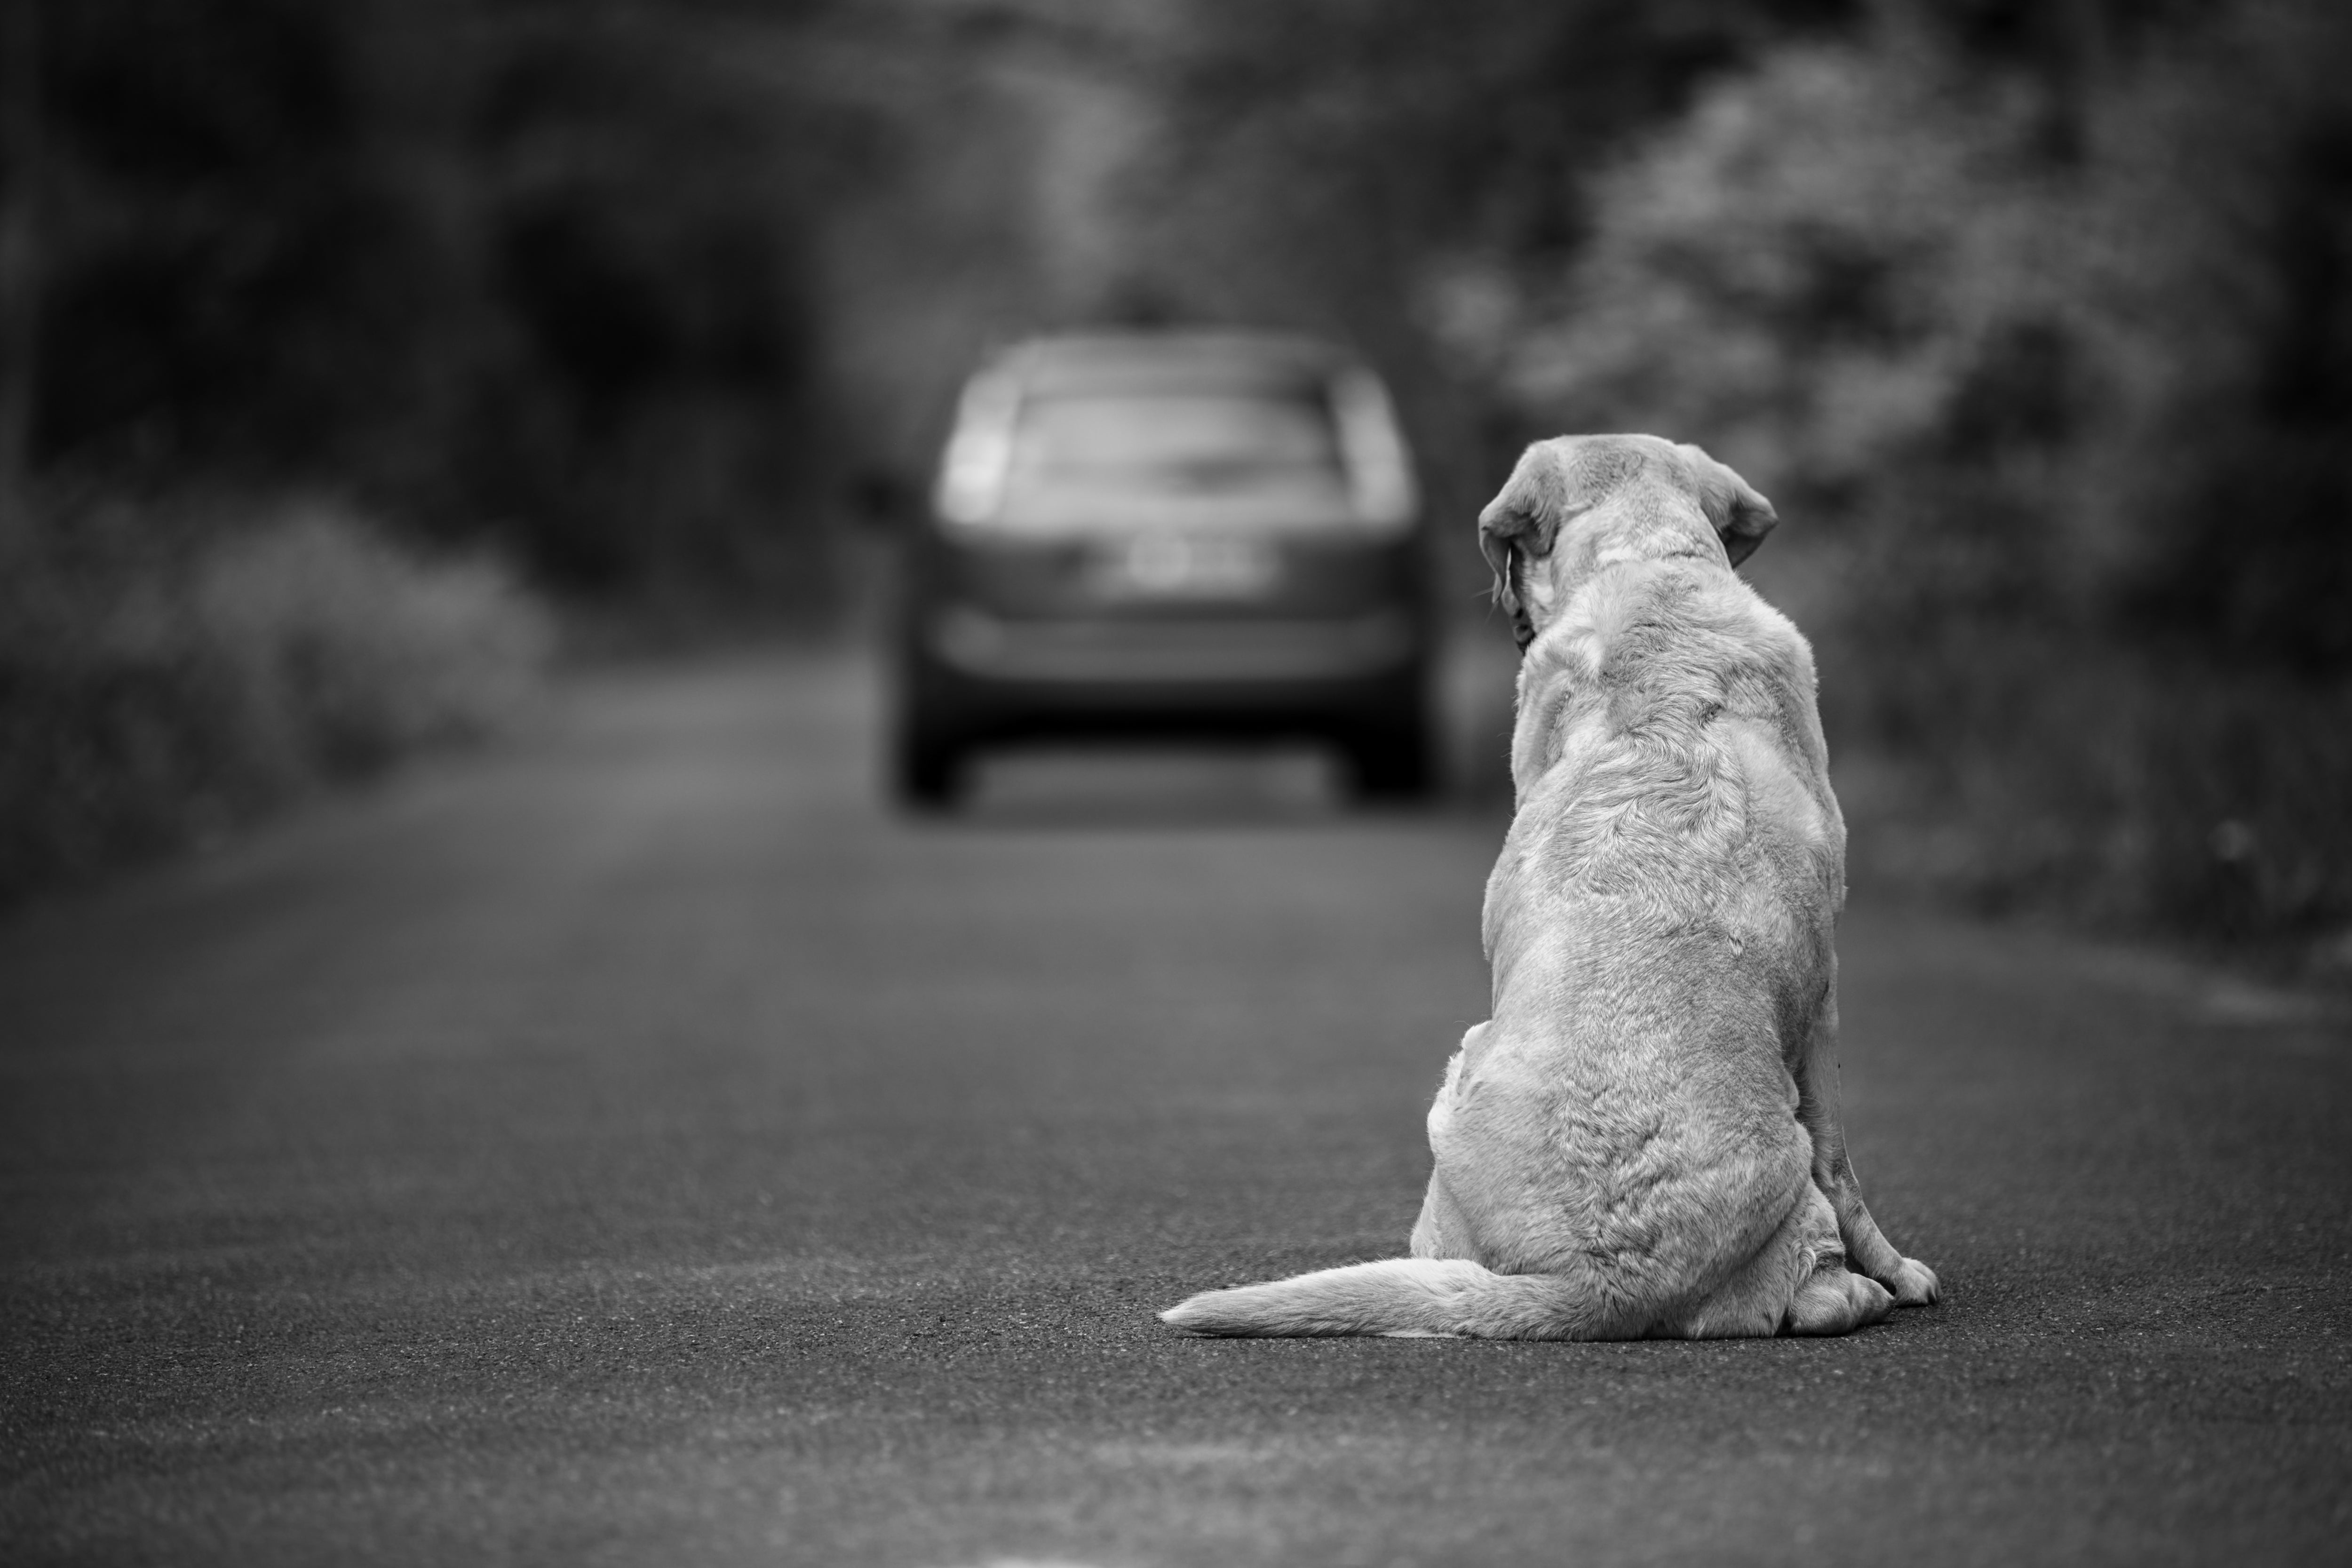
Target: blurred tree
{"type": "Point", "coordinates": [503, 268]}
{"type": "Point", "coordinates": [2073, 409]}
{"type": "Point", "coordinates": [639, 208]}
{"type": "Point", "coordinates": [225, 270]}
{"type": "Point", "coordinates": [1333, 165]}
{"type": "Point", "coordinates": [21, 117]}
{"type": "Point", "coordinates": [593, 278]}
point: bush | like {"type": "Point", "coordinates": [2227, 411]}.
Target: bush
{"type": "Point", "coordinates": [163, 678]}
{"type": "Point", "coordinates": [2061, 427]}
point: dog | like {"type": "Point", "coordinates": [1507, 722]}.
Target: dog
{"type": "Point", "coordinates": [1643, 1141]}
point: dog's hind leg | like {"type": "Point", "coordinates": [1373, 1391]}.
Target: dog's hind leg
{"type": "Point", "coordinates": [1442, 1231]}
{"type": "Point", "coordinates": [1829, 1299]}
{"type": "Point", "coordinates": [1867, 1249]}
{"type": "Point", "coordinates": [1796, 1282]}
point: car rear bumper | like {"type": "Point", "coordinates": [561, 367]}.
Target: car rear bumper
{"type": "Point", "coordinates": [1181, 655]}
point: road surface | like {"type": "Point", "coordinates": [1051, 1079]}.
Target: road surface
{"type": "Point", "coordinates": [636, 1146]}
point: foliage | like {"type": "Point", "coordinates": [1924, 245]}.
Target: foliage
{"type": "Point", "coordinates": [2068, 413]}
{"type": "Point", "coordinates": [526, 272]}
{"type": "Point", "coordinates": [2035, 318]}
{"type": "Point", "coordinates": [164, 674]}
{"type": "Point", "coordinates": [1322, 156]}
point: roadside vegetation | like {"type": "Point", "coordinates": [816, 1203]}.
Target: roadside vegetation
{"type": "Point", "coordinates": [2035, 320]}
{"type": "Point", "coordinates": [166, 676]}
{"type": "Point", "coordinates": [340, 344]}
{"type": "Point", "coordinates": [2052, 374]}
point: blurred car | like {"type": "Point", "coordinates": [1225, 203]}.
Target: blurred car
{"type": "Point", "coordinates": [1168, 534]}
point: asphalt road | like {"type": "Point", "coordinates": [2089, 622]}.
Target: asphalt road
{"type": "Point", "coordinates": [635, 1146]}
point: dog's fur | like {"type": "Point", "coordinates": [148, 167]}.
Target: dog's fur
{"type": "Point", "coordinates": [1643, 1139]}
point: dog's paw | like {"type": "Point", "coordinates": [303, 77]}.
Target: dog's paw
{"type": "Point", "coordinates": [1834, 1301]}
{"type": "Point", "coordinates": [1914, 1284]}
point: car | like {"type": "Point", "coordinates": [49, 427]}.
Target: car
{"type": "Point", "coordinates": [1172, 534]}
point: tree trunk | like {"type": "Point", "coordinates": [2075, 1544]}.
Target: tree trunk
{"type": "Point", "coordinates": [20, 262]}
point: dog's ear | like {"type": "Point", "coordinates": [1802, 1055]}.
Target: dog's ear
{"type": "Point", "coordinates": [1741, 515]}
{"type": "Point", "coordinates": [1499, 533]}
{"type": "Point", "coordinates": [1523, 517]}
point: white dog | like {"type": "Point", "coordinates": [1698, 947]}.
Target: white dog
{"type": "Point", "coordinates": [1643, 1139]}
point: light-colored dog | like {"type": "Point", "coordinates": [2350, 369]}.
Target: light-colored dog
{"type": "Point", "coordinates": [1643, 1141]}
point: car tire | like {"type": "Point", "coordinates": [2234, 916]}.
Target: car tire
{"type": "Point", "coordinates": [927, 749]}
{"type": "Point", "coordinates": [927, 773]}
{"type": "Point", "coordinates": [1391, 760]}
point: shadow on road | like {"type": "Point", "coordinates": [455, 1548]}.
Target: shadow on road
{"type": "Point", "coordinates": [1156, 786]}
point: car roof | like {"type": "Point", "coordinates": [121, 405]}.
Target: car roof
{"type": "Point", "coordinates": [1103, 362]}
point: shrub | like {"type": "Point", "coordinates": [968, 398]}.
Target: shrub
{"type": "Point", "coordinates": [354, 650]}
{"type": "Point", "coordinates": [162, 677]}
{"type": "Point", "coordinates": [2063, 430]}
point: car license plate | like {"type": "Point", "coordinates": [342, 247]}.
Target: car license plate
{"type": "Point", "coordinates": [1181, 566]}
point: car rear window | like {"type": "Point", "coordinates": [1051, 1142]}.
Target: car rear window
{"type": "Point", "coordinates": [1176, 440]}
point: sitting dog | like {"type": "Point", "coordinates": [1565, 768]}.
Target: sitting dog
{"type": "Point", "coordinates": [1643, 1139]}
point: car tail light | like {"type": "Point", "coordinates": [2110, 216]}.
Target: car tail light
{"type": "Point", "coordinates": [1380, 471]}
{"type": "Point", "coordinates": [979, 452]}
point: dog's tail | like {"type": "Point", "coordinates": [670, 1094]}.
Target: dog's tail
{"type": "Point", "coordinates": [1403, 1298]}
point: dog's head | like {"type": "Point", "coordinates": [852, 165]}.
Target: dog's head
{"type": "Point", "coordinates": [1576, 503]}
